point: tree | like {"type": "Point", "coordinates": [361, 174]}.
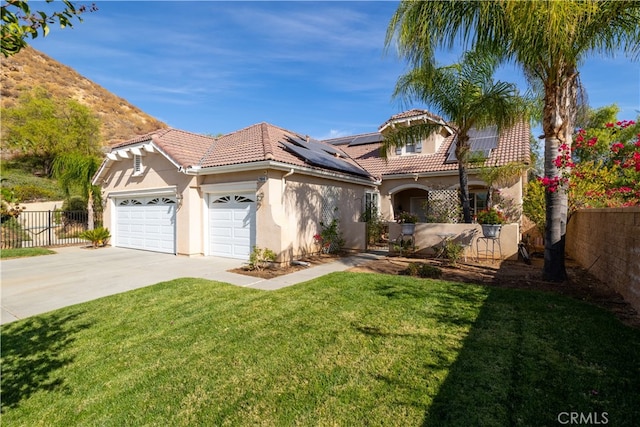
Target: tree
{"type": "Point", "coordinates": [466, 95]}
{"type": "Point", "coordinates": [548, 40]}
{"type": "Point", "coordinates": [42, 127]}
{"type": "Point", "coordinates": [20, 23]}
{"type": "Point", "coordinates": [75, 171]}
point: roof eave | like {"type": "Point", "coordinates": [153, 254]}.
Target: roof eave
{"type": "Point", "coordinates": [271, 164]}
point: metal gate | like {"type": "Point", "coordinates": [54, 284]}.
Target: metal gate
{"type": "Point", "coordinates": [31, 229]}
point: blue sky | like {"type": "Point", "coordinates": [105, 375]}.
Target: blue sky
{"type": "Point", "coordinates": [317, 68]}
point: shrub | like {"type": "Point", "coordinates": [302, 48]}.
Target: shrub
{"type": "Point", "coordinates": [453, 251]}
{"type": "Point", "coordinates": [331, 237]}
{"type": "Point", "coordinates": [425, 271]}
{"type": "Point", "coordinates": [98, 236]}
{"type": "Point", "coordinates": [260, 258]}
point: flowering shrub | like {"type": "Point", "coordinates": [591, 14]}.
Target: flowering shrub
{"type": "Point", "coordinates": [330, 237]}
{"type": "Point", "coordinates": [601, 168]}
{"type": "Point", "coordinates": [490, 216]}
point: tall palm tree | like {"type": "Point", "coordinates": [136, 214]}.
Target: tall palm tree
{"type": "Point", "coordinates": [549, 40]}
{"type": "Point", "coordinates": [75, 171]}
{"type": "Point", "coordinates": [466, 95]}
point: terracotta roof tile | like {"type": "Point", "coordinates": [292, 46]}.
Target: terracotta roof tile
{"type": "Point", "coordinates": [261, 142]}
{"type": "Point", "coordinates": [513, 146]}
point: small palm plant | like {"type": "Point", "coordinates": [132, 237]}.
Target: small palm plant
{"type": "Point", "coordinates": [98, 236]}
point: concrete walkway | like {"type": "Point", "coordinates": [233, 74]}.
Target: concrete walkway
{"type": "Point", "coordinates": [74, 275]}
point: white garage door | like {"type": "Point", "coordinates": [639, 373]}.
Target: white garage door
{"type": "Point", "coordinates": [147, 223]}
{"type": "Point", "coordinates": [232, 225]}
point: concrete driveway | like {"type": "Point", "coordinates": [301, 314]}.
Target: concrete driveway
{"type": "Point", "coordinates": [40, 284]}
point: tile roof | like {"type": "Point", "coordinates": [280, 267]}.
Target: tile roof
{"type": "Point", "coordinates": [255, 143]}
{"type": "Point", "coordinates": [261, 142]}
{"type": "Point", "coordinates": [513, 146]}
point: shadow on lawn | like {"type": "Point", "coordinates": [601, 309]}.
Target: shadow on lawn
{"type": "Point", "coordinates": [32, 353]}
{"type": "Point", "coordinates": [529, 357]}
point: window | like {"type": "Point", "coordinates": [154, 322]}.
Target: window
{"type": "Point", "coordinates": [137, 164]}
{"type": "Point", "coordinates": [412, 147]}
{"type": "Point", "coordinates": [372, 201]}
{"type": "Point", "coordinates": [478, 201]}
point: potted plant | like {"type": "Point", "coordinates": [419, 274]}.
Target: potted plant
{"type": "Point", "coordinates": [408, 222]}
{"type": "Point", "coordinates": [491, 221]}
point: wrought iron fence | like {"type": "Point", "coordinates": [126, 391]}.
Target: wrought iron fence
{"type": "Point", "coordinates": [45, 228]}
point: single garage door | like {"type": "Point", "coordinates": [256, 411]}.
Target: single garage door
{"type": "Point", "coordinates": [232, 225]}
{"type": "Point", "coordinates": [147, 223]}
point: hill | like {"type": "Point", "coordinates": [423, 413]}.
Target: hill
{"type": "Point", "coordinates": [30, 68]}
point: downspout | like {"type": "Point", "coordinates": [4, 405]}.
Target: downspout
{"type": "Point", "coordinates": [284, 179]}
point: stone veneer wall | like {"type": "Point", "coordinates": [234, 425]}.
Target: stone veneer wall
{"type": "Point", "coordinates": [607, 243]}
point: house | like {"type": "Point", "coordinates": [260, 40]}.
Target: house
{"type": "Point", "coordinates": [177, 192]}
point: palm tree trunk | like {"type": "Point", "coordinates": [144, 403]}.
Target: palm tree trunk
{"type": "Point", "coordinates": [558, 119]}
{"type": "Point", "coordinates": [462, 150]}
{"type": "Point", "coordinates": [90, 213]}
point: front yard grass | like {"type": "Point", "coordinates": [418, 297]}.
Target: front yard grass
{"type": "Point", "coordinates": [24, 252]}
{"type": "Point", "coordinates": [345, 349]}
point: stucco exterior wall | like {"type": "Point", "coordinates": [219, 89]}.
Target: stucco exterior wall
{"type": "Point", "coordinates": [607, 243]}
{"type": "Point", "coordinates": [158, 173]}
{"type": "Point", "coordinates": [429, 235]}
{"type": "Point", "coordinates": [306, 201]}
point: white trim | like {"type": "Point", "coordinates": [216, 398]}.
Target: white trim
{"type": "Point", "coordinates": [408, 186]}
{"type": "Point", "coordinates": [230, 187]}
{"type": "Point", "coordinates": [269, 164]}
{"type": "Point", "coordinates": [144, 192]}
{"type": "Point", "coordinates": [123, 154]}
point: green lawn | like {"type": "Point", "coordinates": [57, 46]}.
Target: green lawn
{"type": "Point", "coordinates": [24, 252]}
{"type": "Point", "coordinates": [347, 349]}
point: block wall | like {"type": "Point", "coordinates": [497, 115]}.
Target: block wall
{"type": "Point", "coordinates": [607, 243]}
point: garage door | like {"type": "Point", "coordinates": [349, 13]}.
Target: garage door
{"type": "Point", "coordinates": [147, 223]}
{"type": "Point", "coordinates": [232, 225]}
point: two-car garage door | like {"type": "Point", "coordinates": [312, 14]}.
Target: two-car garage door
{"type": "Point", "coordinates": [147, 223]}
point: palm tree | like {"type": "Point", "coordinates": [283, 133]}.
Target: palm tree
{"type": "Point", "coordinates": [466, 95]}
{"type": "Point", "coordinates": [549, 40]}
{"type": "Point", "coordinates": [75, 171]}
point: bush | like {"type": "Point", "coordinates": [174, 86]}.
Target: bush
{"type": "Point", "coordinates": [260, 258]}
{"type": "Point", "coordinates": [32, 192]}
{"type": "Point", "coordinates": [453, 251]}
{"type": "Point", "coordinates": [425, 271]}
{"type": "Point", "coordinates": [98, 236]}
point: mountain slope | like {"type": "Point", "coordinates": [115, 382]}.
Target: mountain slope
{"type": "Point", "coordinates": [30, 68]}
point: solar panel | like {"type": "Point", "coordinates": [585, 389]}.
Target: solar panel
{"type": "Point", "coordinates": [480, 141]}
{"type": "Point", "coordinates": [323, 159]}
{"type": "Point", "coordinates": [316, 146]}
{"type": "Point", "coordinates": [366, 139]}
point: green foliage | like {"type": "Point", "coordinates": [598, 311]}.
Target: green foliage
{"type": "Point", "coordinates": [20, 23]}
{"type": "Point", "coordinates": [419, 269]}
{"type": "Point", "coordinates": [533, 204]}
{"type": "Point", "coordinates": [490, 216]}
{"type": "Point", "coordinates": [345, 349]}
{"type": "Point", "coordinates": [12, 234]}
{"type": "Point", "coordinates": [330, 237]}
{"type": "Point", "coordinates": [98, 236]}
{"type": "Point", "coordinates": [261, 258]}
{"type": "Point", "coordinates": [75, 203]}
{"type": "Point", "coordinates": [18, 178]}
{"type": "Point", "coordinates": [453, 251]}
{"type": "Point", "coordinates": [43, 128]}
{"type": "Point", "coordinates": [374, 224]}
{"type": "Point", "coordinates": [406, 218]}
{"type": "Point", "coordinates": [24, 252]}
